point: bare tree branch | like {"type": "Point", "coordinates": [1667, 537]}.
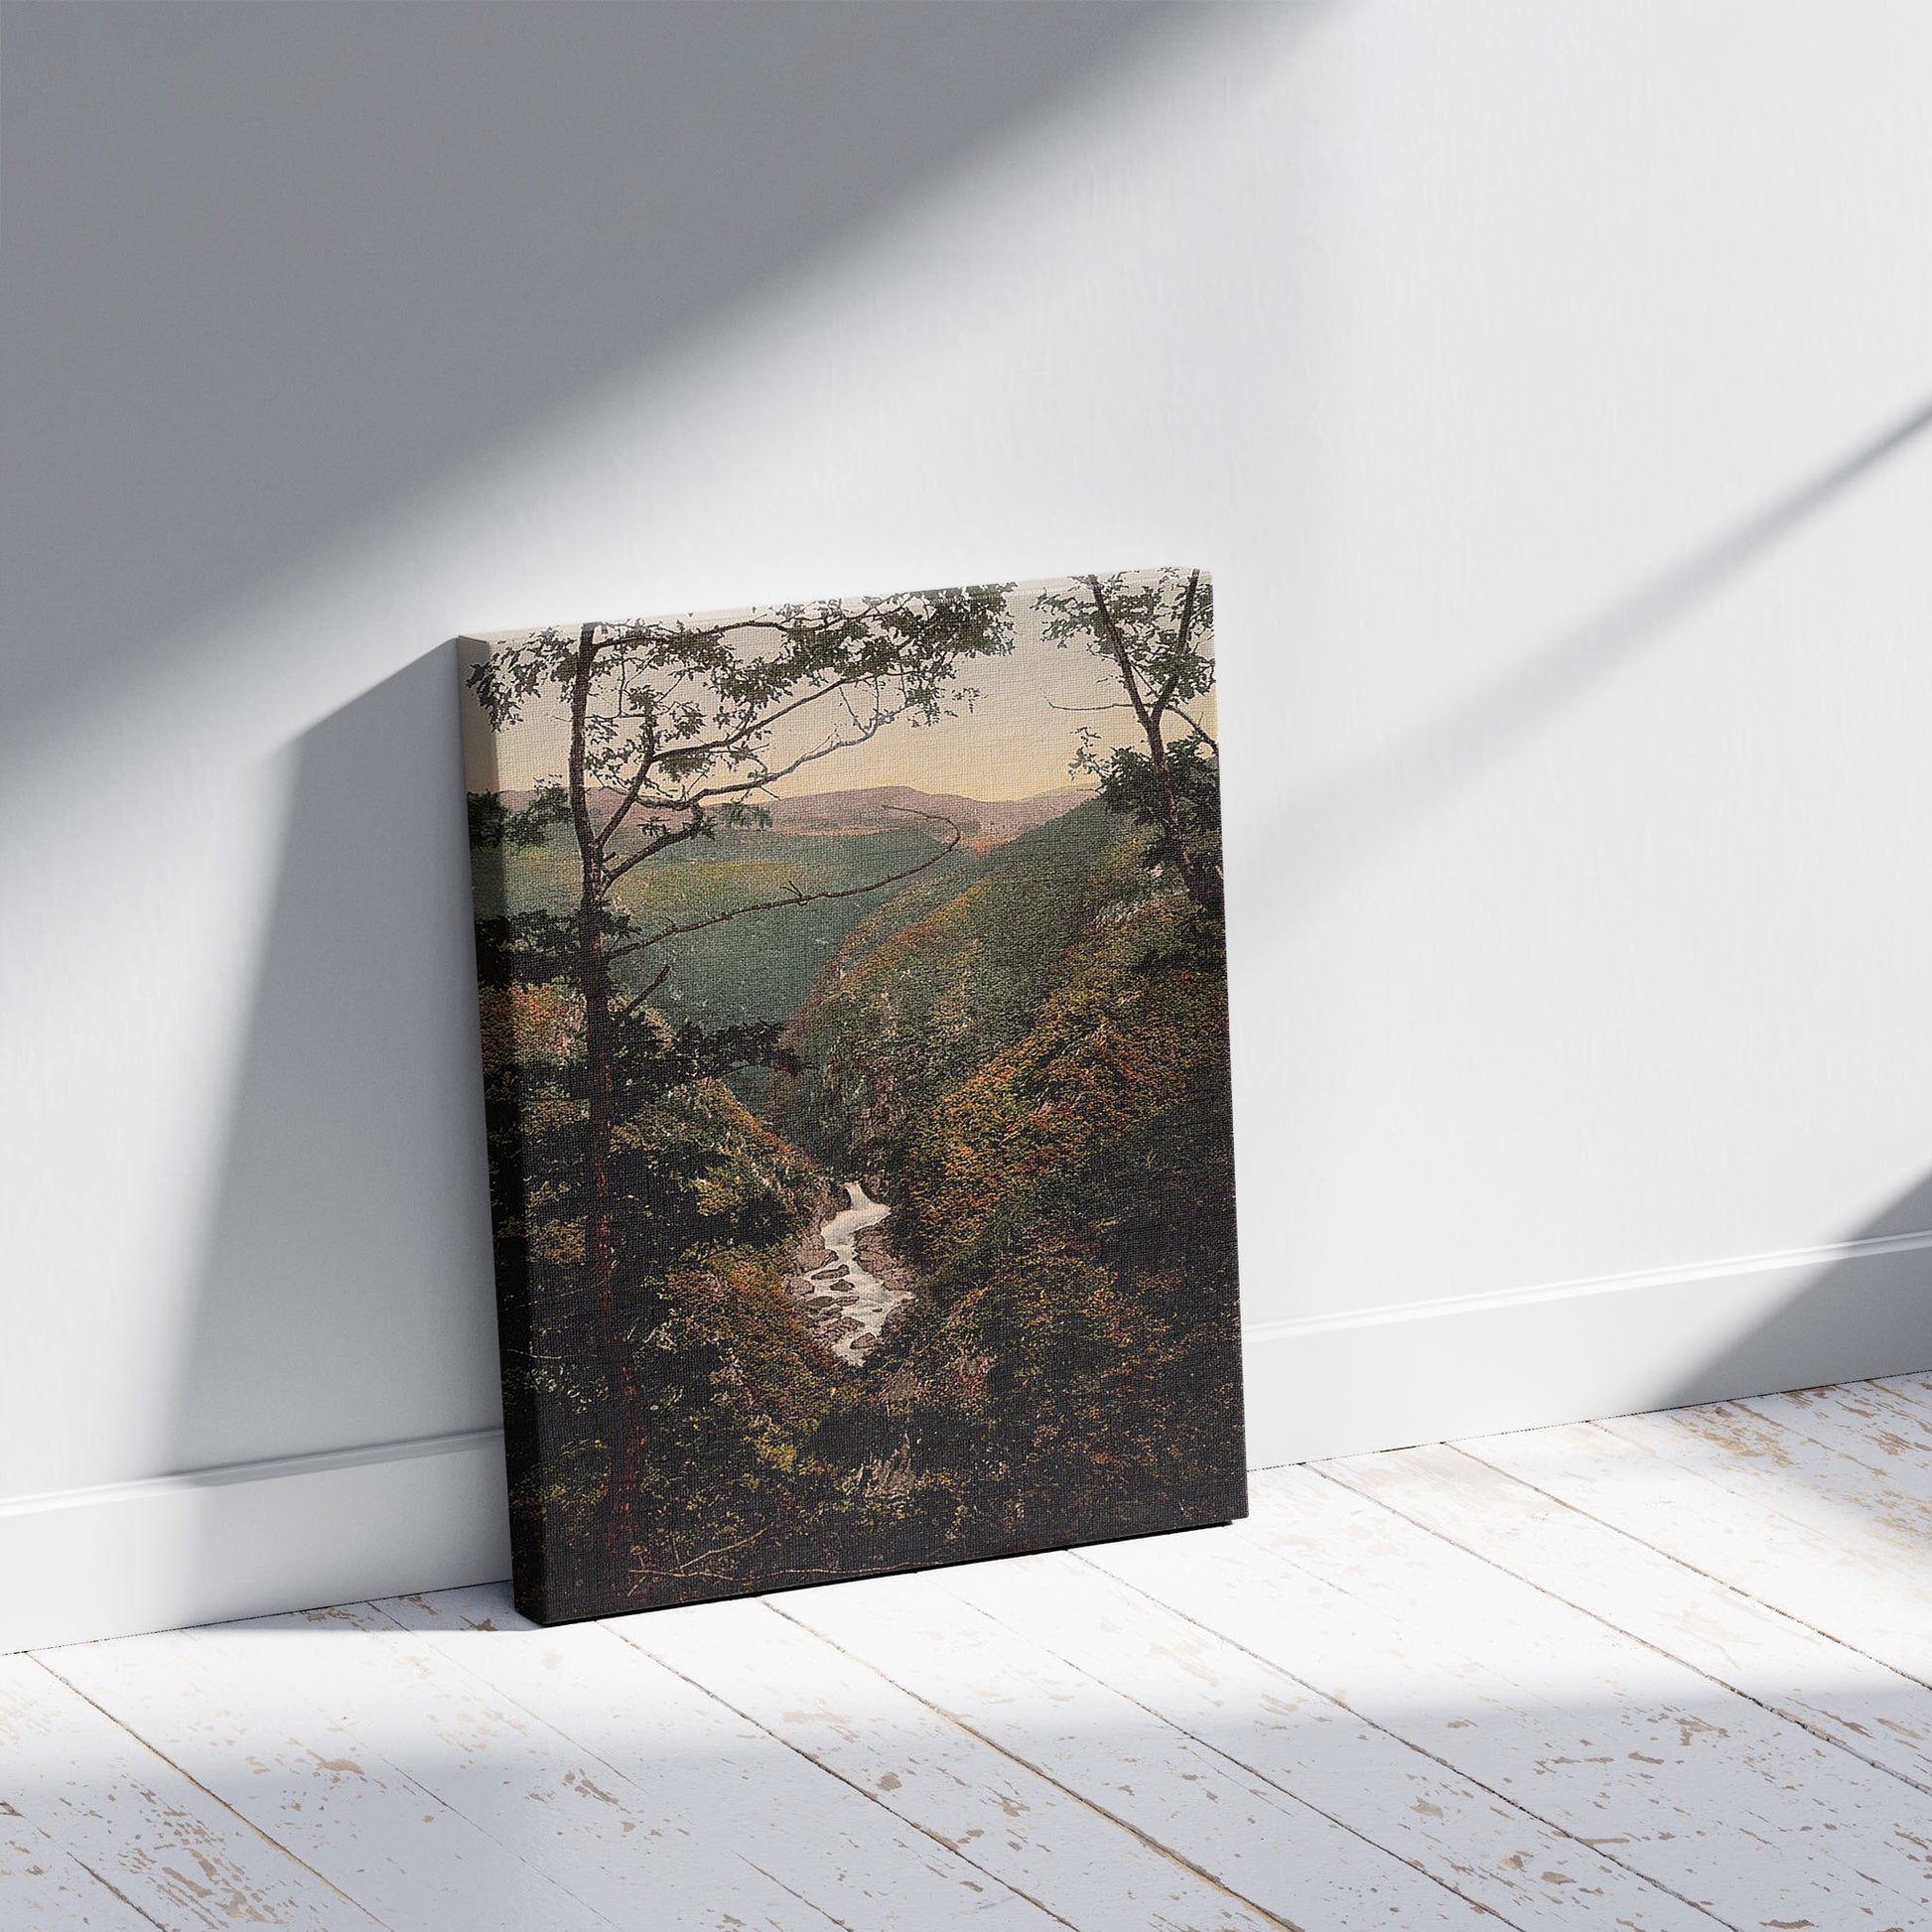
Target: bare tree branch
{"type": "Point", "coordinates": [675, 835]}
{"type": "Point", "coordinates": [796, 897]}
{"type": "Point", "coordinates": [631, 1008]}
{"type": "Point", "coordinates": [765, 779]}
{"type": "Point", "coordinates": [765, 720]}
{"type": "Point", "coordinates": [684, 1567]}
{"type": "Point", "coordinates": [1199, 729]}
{"type": "Point", "coordinates": [765, 776]}
{"type": "Point", "coordinates": [1117, 649]}
{"type": "Point", "coordinates": [1184, 636]}
{"type": "Point", "coordinates": [636, 785]}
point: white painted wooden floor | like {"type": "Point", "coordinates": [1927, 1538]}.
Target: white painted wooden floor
{"type": "Point", "coordinates": [1666, 1673]}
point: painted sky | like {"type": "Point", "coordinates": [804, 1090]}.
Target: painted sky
{"type": "Point", "coordinates": [1012, 743]}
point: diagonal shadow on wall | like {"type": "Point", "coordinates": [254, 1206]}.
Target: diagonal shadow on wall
{"type": "Point", "coordinates": [1867, 1314]}
{"type": "Point", "coordinates": [272, 269]}
{"type": "Point", "coordinates": [345, 1278]}
{"type": "Point", "coordinates": [1333, 830]}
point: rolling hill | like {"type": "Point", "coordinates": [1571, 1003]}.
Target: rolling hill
{"type": "Point", "coordinates": [879, 808]}
{"type": "Point", "coordinates": [985, 822]}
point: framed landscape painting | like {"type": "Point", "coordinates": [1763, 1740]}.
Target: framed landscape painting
{"type": "Point", "coordinates": [853, 990]}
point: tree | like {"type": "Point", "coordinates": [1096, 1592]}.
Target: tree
{"type": "Point", "coordinates": [674, 729]}
{"type": "Point", "coordinates": [1152, 629]}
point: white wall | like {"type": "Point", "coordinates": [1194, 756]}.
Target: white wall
{"type": "Point", "coordinates": [1542, 383]}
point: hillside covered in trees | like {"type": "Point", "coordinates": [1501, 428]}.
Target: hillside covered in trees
{"type": "Point", "coordinates": [907, 1232]}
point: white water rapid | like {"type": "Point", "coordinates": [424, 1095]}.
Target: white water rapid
{"type": "Point", "coordinates": [843, 1285]}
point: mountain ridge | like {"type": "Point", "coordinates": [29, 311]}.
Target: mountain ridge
{"type": "Point", "coordinates": [983, 822]}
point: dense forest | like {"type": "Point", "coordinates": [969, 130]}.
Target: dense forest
{"type": "Point", "coordinates": [862, 1161]}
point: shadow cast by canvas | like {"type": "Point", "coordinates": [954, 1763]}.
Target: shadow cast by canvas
{"type": "Point", "coordinates": [344, 1275]}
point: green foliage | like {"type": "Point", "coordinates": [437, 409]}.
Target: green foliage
{"type": "Point", "coordinates": [685, 720]}
{"type": "Point", "coordinates": [932, 984]}
{"type": "Point", "coordinates": [743, 972]}
{"type": "Point", "coordinates": [1152, 623]}
{"type": "Point", "coordinates": [1180, 807]}
{"type": "Point", "coordinates": [1070, 1207]}
{"type": "Point", "coordinates": [709, 1200]}
{"type": "Point", "coordinates": [492, 824]}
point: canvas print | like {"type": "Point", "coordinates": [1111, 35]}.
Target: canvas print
{"type": "Point", "coordinates": [854, 1008]}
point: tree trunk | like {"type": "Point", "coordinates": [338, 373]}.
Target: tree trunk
{"type": "Point", "coordinates": [1157, 752]}
{"type": "Point", "coordinates": [1152, 719]}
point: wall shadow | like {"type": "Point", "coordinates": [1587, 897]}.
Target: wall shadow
{"type": "Point", "coordinates": [344, 1286]}
{"type": "Point", "coordinates": [1865, 1315]}
{"type": "Point", "coordinates": [270, 268]}
{"type": "Point", "coordinates": [345, 1278]}
{"type": "Point", "coordinates": [1337, 827]}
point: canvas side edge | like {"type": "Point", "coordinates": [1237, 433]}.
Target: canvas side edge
{"type": "Point", "coordinates": [481, 748]}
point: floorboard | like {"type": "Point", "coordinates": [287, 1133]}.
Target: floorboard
{"type": "Point", "coordinates": [1386, 1790]}
{"type": "Point", "coordinates": [49, 1889]}
{"type": "Point", "coordinates": [137, 1819]}
{"type": "Point", "coordinates": [729, 1780]}
{"type": "Point", "coordinates": [1664, 1673]}
{"type": "Point", "coordinates": [1053, 1845]}
{"type": "Point", "coordinates": [1837, 1693]}
{"type": "Point", "coordinates": [1264, 1845]}
{"type": "Point", "coordinates": [1612, 1749]}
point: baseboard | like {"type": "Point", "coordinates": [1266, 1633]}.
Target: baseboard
{"type": "Point", "coordinates": [251, 1539]}
{"type": "Point", "coordinates": [429, 1514]}
{"type": "Point", "coordinates": [1526, 1358]}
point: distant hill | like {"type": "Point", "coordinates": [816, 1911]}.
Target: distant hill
{"type": "Point", "coordinates": [879, 808]}
{"type": "Point", "coordinates": [892, 808]}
